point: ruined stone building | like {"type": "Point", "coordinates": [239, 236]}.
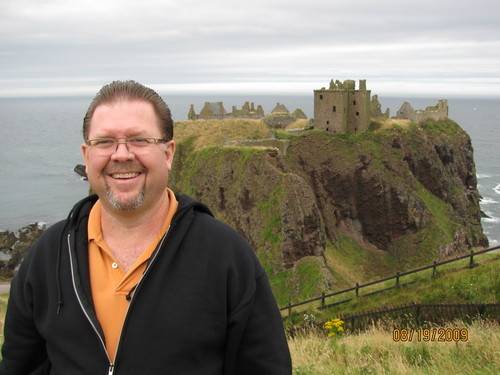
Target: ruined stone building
{"type": "Point", "coordinates": [341, 108]}
{"type": "Point", "coordinates": [436, 112]}
{"type": "Point", "coordinates": [280, 108]}
{"type": "Point", "coordinates": [216, 111]}
{"type": "Point", "coordinates": [376, 109]}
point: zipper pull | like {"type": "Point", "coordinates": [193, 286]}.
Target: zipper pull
{"type": "Point", "coordinates": [111, 368]}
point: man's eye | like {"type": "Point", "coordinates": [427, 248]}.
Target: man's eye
{"type": "Point", "coordinates": [139, 141]}
{"type": "Point", "coordinates": [104, 142]}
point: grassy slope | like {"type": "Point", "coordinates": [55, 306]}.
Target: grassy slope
{"type": "Point", "coordinates": [453, 283]}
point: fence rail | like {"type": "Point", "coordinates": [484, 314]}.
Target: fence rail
{"type": "Point", "coordinates": [397, 277]}
{"type": "Point", "coordinates": [419, 314]}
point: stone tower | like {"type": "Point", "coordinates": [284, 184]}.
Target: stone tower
{"type": "Point", "coordinates": [341, 108]}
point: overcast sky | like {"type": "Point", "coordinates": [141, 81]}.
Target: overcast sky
{"type": "Point", "coordinates": [424, 47]}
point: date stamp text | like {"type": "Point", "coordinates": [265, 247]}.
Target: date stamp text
{"type": "Point", "coordinates": [431, 334]}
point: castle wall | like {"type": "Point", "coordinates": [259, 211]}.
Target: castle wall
{"type": "Point", "coordinates": [435, 113]}
{"type": "Point", "coordinates": [216, 111]}
{"type": "Point", "coordinates": [330, 110]}
{"type": "Point", "coordinates": [342, 108]}
{"type": "Point", "coordinates": [359, 111]}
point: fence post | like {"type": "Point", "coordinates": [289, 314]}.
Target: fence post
{"type": "Point", "coordinates": [417, 314]}
{"type": "Point", "coordinates": [397, 279]}
{"type": "Point", "coordinates": [322, 300]}
{"type": "Point", "coordinates": [357, 289]}
{"type": "Point", "coordinates": [289, 309]}
{"type": "Point", "coordinates": [434, 270]}
{"type": "Point", "coordinates": [471, 259]}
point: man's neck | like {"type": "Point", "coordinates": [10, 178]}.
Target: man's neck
{"type": "Point", "coordinates": [128, 234]}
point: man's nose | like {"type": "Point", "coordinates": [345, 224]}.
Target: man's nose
{"type": "Point", "coordinates": [122, 151]}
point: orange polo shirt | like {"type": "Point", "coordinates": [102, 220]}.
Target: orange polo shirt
{"type": "Point", "coordinates": [109, 282]}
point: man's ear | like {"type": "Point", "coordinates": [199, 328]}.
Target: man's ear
{"type": "Point", "coordinates": [85, 150]}
{"type": "Point", "coordinates": [169, 153]}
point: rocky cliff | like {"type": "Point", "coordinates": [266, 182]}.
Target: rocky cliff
{"type": "Point", "coordinates": [14, 246]}
{"type": "Point", "coordinates": [332, 208]}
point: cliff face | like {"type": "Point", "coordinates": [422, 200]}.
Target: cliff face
{"type": "Point", "coordinates": [398, 198]}
{"type": "Point", "coordinates": [393, 190]}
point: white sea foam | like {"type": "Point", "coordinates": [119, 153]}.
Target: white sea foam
{"type": "Point", "coordinates": [494, 243]}
{"type": "Point", "coordinates": [488, 200]}
{"type": "Point", "coordinates": [491, 219]}
{"type": "Point", "coordinates": [496, 189]}
{"type": "Point", "coordinates": [480, 176]}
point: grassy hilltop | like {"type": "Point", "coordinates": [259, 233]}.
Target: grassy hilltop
{"type": "Point", "coordinates": [324, 211]}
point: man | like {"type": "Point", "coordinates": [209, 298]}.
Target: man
{"type": "Point", "coordinates": [138, 280]}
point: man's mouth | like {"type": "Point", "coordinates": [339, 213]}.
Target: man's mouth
{"type": "Point", "coordinates": [125, 175]}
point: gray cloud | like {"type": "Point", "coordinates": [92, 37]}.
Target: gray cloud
{"type": "Point", "coordinates": [64, 47]}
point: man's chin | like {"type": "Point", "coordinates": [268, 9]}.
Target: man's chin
{"type": "Point", "coordinates": [126, 204]}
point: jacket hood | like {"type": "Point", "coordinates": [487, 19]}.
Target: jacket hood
{"type": "Point", "coordinates": [78, 216]}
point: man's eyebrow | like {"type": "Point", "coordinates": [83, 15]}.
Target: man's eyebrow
{"type": "Point", "coordinates": [130, 135]}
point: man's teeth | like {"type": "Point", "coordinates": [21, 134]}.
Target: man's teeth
{"type": "Point", "coordinates": [125, 175]}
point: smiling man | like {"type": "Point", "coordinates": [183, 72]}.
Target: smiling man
{"type": "Point", "coordinates": [138, 280]}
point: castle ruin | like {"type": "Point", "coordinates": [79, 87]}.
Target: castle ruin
{"type": "Point", "coordinates": [216, 111]}
{"type": "Point", "coordinates": [436, 112]}
{"type": "Point", "coordinates": [342, 108]}
{"type": "Point", "coordinates": [211, 111]}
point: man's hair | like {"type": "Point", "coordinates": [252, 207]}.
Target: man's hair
{"type": "Point", "coordinates": [131, 90]}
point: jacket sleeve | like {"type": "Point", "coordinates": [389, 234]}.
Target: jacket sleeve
{"type": "Point", "coordinates": [23, 350]}
{"type": "Point", "coordinates": [262, 347]}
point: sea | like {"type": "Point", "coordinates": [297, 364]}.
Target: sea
{"type": "Point", "coordinates": [40, 144]}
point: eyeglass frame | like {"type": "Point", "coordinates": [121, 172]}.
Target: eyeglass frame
{"type": "Point", "coordinates": [126, 142]}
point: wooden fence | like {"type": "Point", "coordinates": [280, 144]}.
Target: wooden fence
{"type": "Point", "coordinates": [397, 277]}
{"type": "Point", "coordinates": [420, 314]}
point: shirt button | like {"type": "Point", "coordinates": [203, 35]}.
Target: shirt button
{"type": "Point", "coordinates": [114, 265]}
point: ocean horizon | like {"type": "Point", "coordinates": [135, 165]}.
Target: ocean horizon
{"type": "Point", "coordinates": [42, 144]}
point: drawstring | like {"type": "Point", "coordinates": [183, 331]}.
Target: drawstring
{"type": "Point", "coordinates": [58, 269]}
{"type": "Point", "coordinates": [69, 223]}
{"type": "Point", "coordinates": [129, 295]}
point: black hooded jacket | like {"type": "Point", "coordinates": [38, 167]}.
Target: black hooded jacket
{"type": "Point", "coordinates": [203, 306]}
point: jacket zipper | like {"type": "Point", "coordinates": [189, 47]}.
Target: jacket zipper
{"type": "Point", "coordinates": [101, 339]}
{"type": "Point", "coordinates": [155, 254]}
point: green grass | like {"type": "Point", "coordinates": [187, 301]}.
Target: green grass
{"type": "Point", "coordinates": [453, 283]}
{"type": "Point", "coordinates": [375, 352]}
{"type": "Point", "coordinates": [3, 309]}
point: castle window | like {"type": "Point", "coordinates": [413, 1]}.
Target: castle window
{"type": "Point", "coordinates": [328, 122]}
{"type": "Point", "coordinates": [321, 97]}
{"type": "Point", "coordinates": [354, 102]}
{"type": "Point", "coordinates": [357, 113]}
{"type": "Point", "coordinates": [334, 108]}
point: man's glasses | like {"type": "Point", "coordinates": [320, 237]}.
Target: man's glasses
{"type": "Point", "coordinates": [110, 145]}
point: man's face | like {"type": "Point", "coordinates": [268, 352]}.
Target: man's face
{"type": "Point", "coordinates": [128, 180]}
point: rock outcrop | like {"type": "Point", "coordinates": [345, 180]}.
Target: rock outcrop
{"type": "Point", "coordinates": [404, 197]}
{"type": "Point", "coordinates": [15, 245]}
